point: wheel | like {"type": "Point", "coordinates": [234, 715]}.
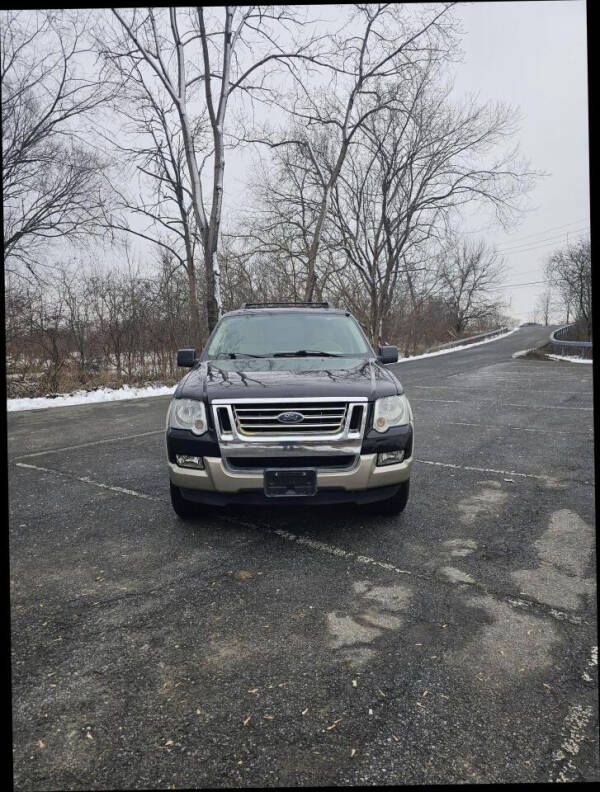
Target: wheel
{"type": "Point", "coordinates": [183, 508]}
{"type": "Point", "coordinates": [394, 505]}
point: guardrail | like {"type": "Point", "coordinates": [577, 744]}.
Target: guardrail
{"type": "Point", "coordinates": [566, 347]}
{"type": "Point", "coordinates": [469, 340]}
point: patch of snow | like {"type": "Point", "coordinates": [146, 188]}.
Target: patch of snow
{"type": "Point", "coordinates": [458, 348]}
{"type": "Point", "coordinates": [89, 397]}
{"type": "Point", "coordinates": [523, 352]}
{"type": "Point", "coordinates": [570, 358]}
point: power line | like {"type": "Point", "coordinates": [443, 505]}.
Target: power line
{"type": "Point", "coordinates": [554, 241]}
{"type": "Point", "coordinates": [527, 236]}
{"type": "Point", "coordinates": [559, 236]}
{"type": "Point", "coordinates": [516, 285]}
{"type": "Point", "coordinates": [547, 230]}
{"type": "Point", "coordinates": [556, 244]}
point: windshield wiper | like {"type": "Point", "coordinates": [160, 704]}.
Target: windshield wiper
{"type": "Point", "coordinates": [306, 353]}
{"type": "Point", "coordinates": [298, 353]}
{"type": "Point", "coordinates": [233, 355]}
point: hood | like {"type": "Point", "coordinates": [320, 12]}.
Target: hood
{"type": "Point", "coordinates": [287, 378]}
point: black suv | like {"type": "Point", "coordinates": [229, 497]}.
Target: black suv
{"type": "Point", "coordinates": [288, 403]}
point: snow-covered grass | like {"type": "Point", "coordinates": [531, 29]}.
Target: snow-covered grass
{"type": "Point", "coordinates": [89, 397]}
{"type": "Point", "coordinates": [550, 356]}
{"type": "Point", "coordinates": [129, 392]}
{"type": "Point", "coordinates": [523, 352]}
{"type": "Point", "coordinates": [458, 348]}
{"type": "Point", "coordinates": [570, 358]}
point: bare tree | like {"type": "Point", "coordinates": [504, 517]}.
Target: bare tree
{"type": "Point", "coordinates": [570, 270]}
{"type": "Point", "coordinates": [468, 273]}
{"type": "Point", "coordinates": [187, 50]}
{"type": "Point", "coordinates": [47, 333]}
{"type": "Point", "coordinates": [77, 312]}
{"type": "Point", "coordinates": [157, 205]}
{"type": "Point", "coordinates": [85, 326]}
{"type": "Point", "coordinates": [413, 167]}
{"type": "Point", "coordinates": [392, 41]}
{"type": "Point", "coordinates": [52, 185]}
{"type": "Point", "coordinates": [410, 168]}
{"type": "Point", "coordinates": [276, 231]}
{"type": "Point", "coordinates": [544, 305]}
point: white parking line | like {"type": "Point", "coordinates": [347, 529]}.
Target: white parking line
{"type": "Point", "coordinates": [525, 369]}
{"type": "Point", "coordinates": [315, 544]}
{"type": "Point", "coordinates": [91, 443]}
{"type": "Point", "coordinates": [591, 664]}
{"type": "Point", "coordinates": [87, 480]}
{"type": "Point", "coordinates": [445, 401]}
{"type": "Point", "coordinates": [548, 407]}
{"type": "Point", "coordinates": [574, 729]}
{"type": "Point", "coordinates": [470, 388]}
{"type": "Point", "coordinates": [519, 428]}
{"type": "Point", "coordinates": [531, 383]}
{"type": "Point", "coordinates": [505, 404]}
{"type": "Point", "coordinates": [487, 470]}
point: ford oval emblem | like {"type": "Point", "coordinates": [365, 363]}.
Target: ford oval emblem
{"type": "Point", "coordinates": [290, 417]}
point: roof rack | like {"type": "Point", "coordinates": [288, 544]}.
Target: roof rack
{"type": "Point", "coordinates": [286, 305]}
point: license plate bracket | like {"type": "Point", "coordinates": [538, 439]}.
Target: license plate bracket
{"type": "Point", "coordinates": [290, 483]}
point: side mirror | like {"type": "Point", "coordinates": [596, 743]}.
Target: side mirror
{"type": "Point", "coordinates": [388, 354]}
{"type": "Point", "coordinates": [186, 357]}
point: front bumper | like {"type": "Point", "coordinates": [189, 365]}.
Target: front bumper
{"type": "Point", "coordinates": [227, 478]}
{"type": "Point", "coordinates": [219, 484]}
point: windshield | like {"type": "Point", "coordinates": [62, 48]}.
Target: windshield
{"type": "Point", "coordinates": [283, 334]}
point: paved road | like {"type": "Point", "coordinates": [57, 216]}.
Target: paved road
{"type": "Point", "coordinates": [452, 644]}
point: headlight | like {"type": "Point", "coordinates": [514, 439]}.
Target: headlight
{"type": "Point", "coordinates": [391, 411]}
{"type": "Point", "coordinates": [188, 414]}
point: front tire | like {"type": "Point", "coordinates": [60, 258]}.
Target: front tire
{"type": "Point", "coordinates": [394, 505]}
{"type": "Point", "coordinates": [184, 509]}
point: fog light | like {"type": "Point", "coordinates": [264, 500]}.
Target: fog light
{"type": "Point", "coordinates": [389, 458]}
{"type": "Point", "coordinates": [183, 460]}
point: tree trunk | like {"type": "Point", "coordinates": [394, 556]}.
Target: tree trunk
{"type": "Point", "coordinates": [374, 320]}
{"type": "Point", "coordinates": [192, 292]}
{"type": "Point", "coordinates": [323, 209]}
{"type": "Point", "coordinates": [311, 277]}
{"type": "Point", "coordinates": [212, 304]}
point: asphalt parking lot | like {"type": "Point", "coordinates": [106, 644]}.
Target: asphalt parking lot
{"type": "Point", "coordinates": [283, 647]}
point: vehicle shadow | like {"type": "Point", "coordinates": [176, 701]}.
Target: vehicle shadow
{"type": "Point", "coordinates": [309, 520]}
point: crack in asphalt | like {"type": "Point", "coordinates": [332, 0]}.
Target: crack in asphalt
{"type": "Point", "coordinates": [133, 594]}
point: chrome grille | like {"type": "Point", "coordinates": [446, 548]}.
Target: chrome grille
{"type": "Point", "coordinates": [266, 419]}
{"type": "Point", "coordinates": [329, 426]}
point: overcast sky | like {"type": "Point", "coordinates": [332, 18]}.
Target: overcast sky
{"type": "Point", "coordinates": [534, 55]}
